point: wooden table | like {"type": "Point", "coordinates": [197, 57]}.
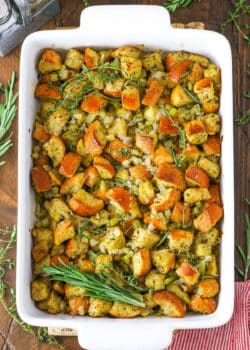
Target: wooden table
{"type": "Point", "coordinates": [212, 13]}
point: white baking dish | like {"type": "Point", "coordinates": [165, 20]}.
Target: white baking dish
{"type": "Point", "coordinates": [108, 27]}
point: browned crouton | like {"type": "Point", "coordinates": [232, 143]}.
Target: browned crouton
{"type": "Point", "coordinates": [57, 259]}
{"type": "Point", "coordinates": [178, 69]}
{"type": "Point", "coordinates": [74, 59]}
{"type": "Point", "coordinates": [145, 143]}
{"type": "Point", "coordinates": [178, 97]}
{"type": "Point", "coordinates": [85, 265]}
{"type": "Point", "coordinates": [40, 289]}
{"type": "Point", "coordinates": [55, 149]}
{"type": "Point", "coordinates": [63, 231]}
{"type": "Point", "coordinates": [41, 179]}
{"type": "Point", "coordinates": [130, 98]}
{"type": "Point", "coordinates": [84, 204]}
{"type": "Point", "coordinates": [212, 146]}
{"type": "Point", "coordinates": [167, 127]}
{"type": "Point", "coordinates": [114, 149]}
{"type": "Point", "coordinates": [163, 260]}
{"type": "Point", "coordinates": [161, 156]}
{"type": "Point", "coordinates": [41, 133]}
{"type": "Point", "coordinates": [208, 288]}
{"type": "Point", "coordinates": [192, 152]}
{"type": "Point", "coordinates": [202, 305]}
{"type": "Point", "coordinates": [180, 213]}
{"type": "Point", "coordinates": [75, 247]}
{"type": "Point", "coordinates": [196, 132]}
{"type": "Point", "coordinates": [141, 261]}
{"type": "Point", "coordinates": [49, 62]}
{"type": "Point", "coordinates": [46, 92]}
{"type": "Point", "coordinates": [171, 176]}
{"type": "Point", "coordinates": [197, 73]}
{"type": "Point", "coordinates": [153, 93]}
{"type": "Point", "coordinates": [165, 200]}
{"type": "Point", "coordinates": [188, 273]}
{"type": "Point", "coordinates": [208, 218]}
{"type": "Point", "coordinates": [146, 193]}
{"type": "Point", "coordinates": [70, 164]}
{"type": "Point", "coordinates": [99, 307]}
{"type": "Point", "coordinates": [73, 184]}
{"type": "Point", "coordinates": [93, 103]}
{"type": "Point", "coordinates": [180, 240]}
{"type": "Point", "coordinates": [158, 221]}
{"type": "Point", "coordinates": [170, 304]}
{"type": "Point", "coordinates": [144, 238]}
{"type": "Point", "coordinates": [79, 305]}
{"type": "Point", "coordinates": [40, 250]}
{"type": "Point", "coordinates": [91, 58]}
{"type": "Point", "coordinates": [123, 310]}
{"type": "Point", "coordinates": [140, 172]}
{"type": "Point", "coordinates": [120, 197]}
{"type": "Point", "coordinates": [214, 191]}
{"type": "Point", "coordinates": [104, 167]}
{"type": "Point", "coordinates": [92, 176]}
{"type": "Point", "coordinates": [94, 139]}
{"type": "Point", "coordinates": [195, 176]}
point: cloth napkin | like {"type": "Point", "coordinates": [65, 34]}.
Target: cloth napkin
{"type": "Point", "coordinates": [234, 335]}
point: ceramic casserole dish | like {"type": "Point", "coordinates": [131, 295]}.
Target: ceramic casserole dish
{"type": "Point", "coordinates": [111, 27]}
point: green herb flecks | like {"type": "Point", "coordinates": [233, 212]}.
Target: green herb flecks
{"type": "Point", "coordinates": [7, 114]}
{"type": "Point", "coordinates": [102, 286]}
{"type": "Point", "coordinates": [173, 5]}
{"type": "Point", "coordinates": [88, 230]}
{"type": "Point", "coordinates": [124, 152]}
{"type": "Point", "coordinates": [163, 239]}
{"type": "Point", "coordinates": [193, 97]}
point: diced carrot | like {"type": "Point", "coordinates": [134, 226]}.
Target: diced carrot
{"type": "Point", "coordinates": [70, 164]}
{"type": "Point", "coordinates": [172, 176]}
{"type": "Point", "coordinates": [93, 103]}
{"type": "Point", "coordinates": [178, 69]}
{"type": "Point", "coordinates": [55, 259]}
{"type": "Point", "coordinates": [153, 93]}
{"type": "Point", "coordinates": [41, 133]}
{"type": "Point", "coordinates": [196, 176]}
{"type": "Point", "coordinates": [167, 127]}
{"type": "Point", "coordinates": [131, 98]}
{"type": "Point", "coordinates": [45, 92]}
{"type": "Point", "coordinates": [41, 179]}
{"type": "Point", "coordinates": [212, 145]}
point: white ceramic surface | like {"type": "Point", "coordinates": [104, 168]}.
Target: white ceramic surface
{"type": "Point", "coordinates": [108, 27]}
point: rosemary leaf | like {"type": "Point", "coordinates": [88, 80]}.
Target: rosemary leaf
{"type": "Point", "coordinates": [162, 240]}
{"type": "Point", "coordinates": [245, 256]}
{"type": "Point", "coordinates": [244, 119]}
{"type": "Point", "coordinates": [193, 97]}
{"type": "Point", "coordinates": [172, 5]}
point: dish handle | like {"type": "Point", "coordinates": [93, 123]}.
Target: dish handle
{"type": "Point", "coordinates": [123, 337]}
{"type": "Point", "coordinates": [130, 21]}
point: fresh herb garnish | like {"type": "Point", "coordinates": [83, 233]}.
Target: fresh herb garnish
{"type": "Point", "coordinates": [124, 152]}
{"type": "Point", "coordinates": [172, 5]}
{"type": "Point", "coordinates": [7, 114]}
{"type": "Point", "coordinates": [88, 229]}
{"type": "Point", "coordinates": [163, 239]}
{"type": "Point", "coordinates": [102, 286]}
{"type": "Point", "coordinates": [244, 119]}
{"type": "Point", "coordinates": [193, 97]}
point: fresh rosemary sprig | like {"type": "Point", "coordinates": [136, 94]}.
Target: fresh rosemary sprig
{"type": "Point", "coordinates": [163, 239]}
{"type": "Point", "coordinates": [244, 119]}
{"type": "Point", "coordinates": [172, 5]}
{"type": "Point", "coordinates": [240, 8]}
{"type": "Point", "coordinates": [8, 294]}
{"type": "Point", "coordinates": [102, 286]}
{"type": "Point", "coordinates": [193, 97]}
{"type": "Point", "coordinates": [7, 114]}
{"type": "Point", "coordinates": [245, 256]}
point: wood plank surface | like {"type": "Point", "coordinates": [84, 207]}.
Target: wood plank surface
{"type": "Point", "coordinates": [212, 13]}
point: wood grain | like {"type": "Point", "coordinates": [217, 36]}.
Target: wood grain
{"type": "Point", "coordinates": [212, 13]}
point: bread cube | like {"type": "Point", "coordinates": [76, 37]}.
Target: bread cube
{"type": "Point", "coordinates": [79, 305]}
{"type": "Point", "coordinates": [157, 221]}
{"type": "Point", "coordinates": [192, 152]}
{"type": "Point", "coordinates": [58, 259]}
{"type": "Point", "coordinates": [104, 167]}
{"type": "Point", "coordinates": [49, 62]}
{"type": "Point", "coordinates": [211, 168]}
{"type": "Point", "coordinates": [188, 273]}
{"type": "Point", "coordinates": [178, 69]}
{"type": "Point", "coordinates": [180, 213]}
{"type": "Point", "coordinates": [63, 231]}
{"type": "Point", "coordinates": [55, 149]}
{"type": "Point", "coordinates": [175, 289]}
{"type": "Point", "coordinates": [46, 92]}
{"type": "Point", "coordinates": [208, 288]}
{"type": "Point", "coordinates": [73, 184]}
{"type": "Point", "coordinates": [120, 198]}
{"type": "Point", "coordinates": [130, 66]}
{"type": "Point", "coordinates": [170, 304]}
{"type": "Point", "coordinates": [40, 250]}
{"type": "Point", "coordinates": [171, 176]}
{"type": "Point", "coordinates": [153, 93]}
{"type": "Point", "coordinates": [166, 199]}
{"type": "Point", "coordinates": [204, 88]}
{"type": "Point", "coordinates": [146, 193]}
{"type": "Point", "coordinates": [93, 103]}
{"type": "Point", "coordinates": [161, 156]}
{"type": "Point", "coordinates": [193, 195]}
{"type": "Point", "coordinates": [212, 123]}
{"type": "Point", "coordinates": [212, 146]}
{"type": "Point", "coordinates": [74, 59]}
{"type": "Point", "coordinates": [114, 149]}
{"type": "Point", "coordinates": [140, 172]}
{"type": "Point", "coordinates": [141, 262]}
{"type": "Point", "coordinates": [41, 179]}
{"type": "Point", "coordinates": [195, 176]}
{"type": "Point", "coordinates": [102, 263]}
{"type": "Point", "coordinates": [167, 126]}
{"type": "Point", "coordinates": [143, 238]}
{"type": "Point", "coordinates": [114, 88]}
{"type": "Point", "coordinates": [114, 239]}
{"type": "Point", "coordinates": [91, 57]}
{"type": "Point", "coordinates": [84, 204]}
{"type": "Point", "coordinates": [152, 61]}
{"type": "Point", "coordinates": [38, 266]}
{"type": "Point", "coordinates": [119, 128]}
{"type": "Point", "coordinates": [42, 234]}
{"type": "Point", "coordinates": [196, 132]}
{"type": "Point", "coordinates": [54, 304]}
{"type": "Point", "coordinates": [202, 305]}
{"type": "Point", "coordinates": [145, 143]}
{"type": "Point", "coordinates": [41, 133]}
{"type": "Point", "coordinates": [124, 310]}
{"type": "Point", "coordinates": [155, 280]}
{"type": "Point", "coordinates": [180, 240]}
{"type": "Point", "coordinates": [40, 289]}
{"type": "Point", "coordinates": [208, 218]}
{"type": "Point", "coordinates": [163, 260]}
{"type": "Point", "coordinates": [94, 139]}
{"type": "Point", "coordinates": [178, 97]}
{"type": "Point", "coordinates": [196, 73]}
{"type": "Point", "coordinates": [70, 164]}
{"type": "Point", "coordinates": [214, 191]}
{"type": "Point", "coordinates": [126, 50]}
{"type": "Point", "coordinates": [99, 307]}
{"type": "Point", "coordinates": [130, 98]}
{"type": "Point", "coordinates": [75, 247]}
{"type": "Point", "coordinates": [58, 209]}
{"type": "Point", "coordinates": [202, 249]}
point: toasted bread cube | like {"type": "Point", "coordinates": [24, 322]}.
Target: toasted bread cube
{"type": "Point", "coordinates": [152, 61]}
{"type": "Point", "coordinates": [114, 88]}
{"type": "Point", "coordinates": [92, 176]}
{"type": "Point", "coordinates": [180, 240]}
{"type": "Point", "coordinates": [54, 304]}
{"type": "Point", "coordinates": [180, 213]}
{"type": "Point", "coordinates": [170, 304]}
{"type": "Point", "coordinates": [55, 177]}
{"type": "Point", "coordinates": [46, 92]}
{"type": "Point", "coordinates": [208, 218]}
{"type": "Point", "coordinates": [42, 159]}
{"type": "Point", "coordinates": [91, 58]}
{"type": "Point", "coordinates": [102, 263]}
{"type": "Point", "coordinates": [211, 168]}
{"type": "Point", "coordinates": [99, 307]}
{"type": "Point", "coordinates": [212, 123]}
{"type": "Point", "coordinates": [126, 50]}
{"type": "Point", "coordinates": [212, 146]}
{"type": "Point", "coordinates": [130, 98]}
{"type": "Point", "coordinates": [158, 221]}
{"type": "Point", "coordinates": [146, 193]}
{"type": "Point", "coordinates": [202, 305]}
{"type": "Point", "coordinates": [94, 139]}
{"type": "Point", "coordinates": [166, 199]}
{"type": "Point", "coordinates": [58, 287]}
{"type": "Point", "coordinates": [212, 267]}
{"type": "Point", "coordinates": [192, 152]}
{"type": "Point", "coordinates": [40, 289]}
{"type": "Point", "coordinates": [41, 133]}
{"type": "Point", "coordinates": [114, 239]}
{"type": "Point", "coordinates": [93, 103]}
{"type": "Point", "coordinates": [155, 280]}
{"type": "Point", "coordinates": [202, 249]}
{"type": "Point", "coordinates": [131, 66]}
{"type": "Point", "coordinates": [70, 164]}
{"type": "Point", "coordinates": [119, 128]}
{"type": "Point", "coordinates": [167, 126]}
{"type": "Point", "coordinates": [195, 132]}
{"type": "Point", "coordinates": [73, 184]}
{"type": "Point", "coordinates": [171, 59]}
{"type": "Point", "coordinates": [188, 273]}
{"type": "Point", "coordinates": [163, 260]}
{"type": "Point", "coordinates": [178, 69]}
{"type": "Point", "coordinates": [211, 238]}
{"type": "Point", "coordinates": [38, 266]}
{"type": "Point", "coordinates": [123, 310]}
{"type": "Point", "coordinates": [193, 195]}
{"type": "Point", "coordinates": [73, 291]}
{"type": "Point", "coordinates": [57, 120]}
{"type": "Point", "coordinates": [42, 234]}
{"type": "Point", "coordinates": [63, 231]}
{"type": "Point", "coordinates": [40, 250]}
{"type": "Point", "coordinates": [208, 288]}
{"type": "Point", "coordinates": [49, 62]}
{"type": "Point", "coordinates": [73, 89]}
{"type": "Point", "coordinates": [121, 199]}
{"type": "Point", "coordinates": [204, 88]}
{"type": "Point", "coordinates": [41, 179]}
{"type": "Point", "coordinates": [75, 247]}
{"type": "Point", "coordinates": [85, 265]}
{"type": "Point", "coordinates": [74, 59]}
{"type": "Point", "coordinates": [140, 172]}
{"type": "Point", "coordinates": [104, 167]}
{"type": "Point", "coordinates": [58, 259]}
{"type": "Point", "coordinates": [145, 143]}
{"type": "Point", "coordinates": [161, 156]}
{"type": "Point", "coordinates": [214, 191]}
{"type": "Point", "coordinates": [153, 93]}
{"type": "Point", "coordinates": [79, 305]}
{"type": "Point", "coordinates": [171, 176]}
{"type": "Point", "coordinates": [58, 209]}
{"type": "Point", "coordinates": [114, 149]}
{"type": "Point", "coordinates": [197, 73]}
{"type": "Point", "coordinates": [210, 107]}
{"type": "Point", "coordinates": [143, 238]}
{"type": "Point", "coordinates": [55, 149]}
{"type": "Point", "coordinates": [141, 261]}
{"type": "Point", "coordinates": [178, 97]}
{"type": "Point", "coordinates": [195, 176]}
{"type": "Point", "coordinates": [84, 204]}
